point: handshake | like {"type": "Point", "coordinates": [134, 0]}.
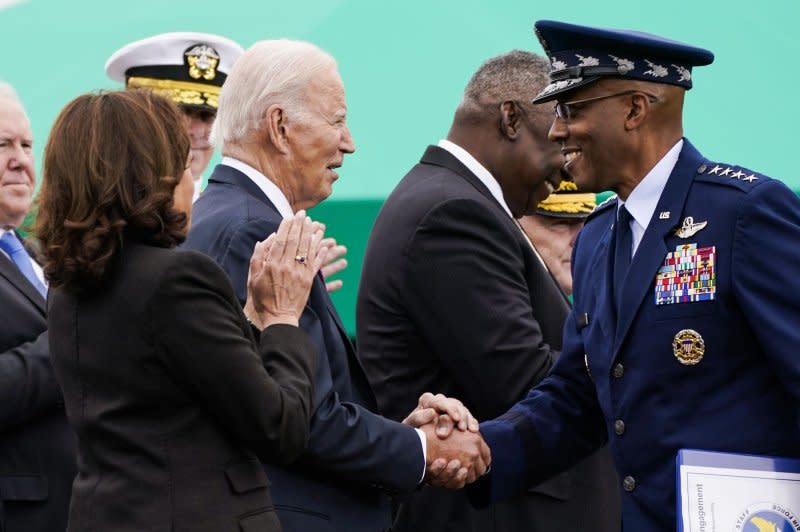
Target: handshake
{"type": "Point", "coordinates": [456, 453]}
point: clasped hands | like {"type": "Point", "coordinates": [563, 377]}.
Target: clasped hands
{"type": "Point", "coordinates": [456, 453]}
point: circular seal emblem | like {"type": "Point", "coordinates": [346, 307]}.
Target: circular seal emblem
{"type": "Point", "coordinates": [688, 347]}
{"type": "Point", "coordinates": [768, 517]}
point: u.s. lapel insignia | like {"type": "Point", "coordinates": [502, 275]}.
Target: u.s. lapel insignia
{"type": "Point", "coordinates": [688, 347]}
{"type": "Point", "coordinates": [689, 228]}
{"type": "Point", "coordinates": [663, 215]}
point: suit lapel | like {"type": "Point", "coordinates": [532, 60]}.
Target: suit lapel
{"type": "Point", "coordinates": [11, 273]}
{"type": "Point", "coordinates": [650, 254]}
{"type": "Point", "coordinates": [320, 281]}
{"type": "Point", "coordinates": [539, 268]}
{"type": "Point", "coordinates": [601, 273]}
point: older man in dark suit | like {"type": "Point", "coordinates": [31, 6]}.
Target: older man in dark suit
{"type": "Point", "coordinates": [282, 125]}
{"type": "Point", "coordinates": [37, 447]}
{"type": "Point", "coordinates": [455, 298]}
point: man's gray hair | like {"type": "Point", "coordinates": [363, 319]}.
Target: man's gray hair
{"type": "Point", "coordinates": [269, 72]}
{"type": "Point", "coordinates": [515, 75]}
{"type": "Point", "coordinates": [7, 92]}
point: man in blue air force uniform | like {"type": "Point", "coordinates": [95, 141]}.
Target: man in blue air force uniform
{"type": "Point", "coordinates": [684, 329]}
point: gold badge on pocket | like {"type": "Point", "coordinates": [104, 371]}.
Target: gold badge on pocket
{"type": "Point", "coordinates": [688, 347]}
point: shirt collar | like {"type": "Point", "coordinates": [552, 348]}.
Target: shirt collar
{"type": "Point", "coordinates": [198, 183]}
{"type": "Point", "coordinates": [643, 199]}
{"type": "Point", "coordinates": [270, 189]}
{"type": "Point", "coordinates": [478, 169]}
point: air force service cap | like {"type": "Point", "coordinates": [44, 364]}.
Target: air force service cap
{"type": "Point", "coordinates": [580, 55]}
{"type": "Point", "coordinates": [189, 68]}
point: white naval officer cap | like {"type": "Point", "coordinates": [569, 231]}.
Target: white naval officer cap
{"type": "Point", "coordinates": [187, 67]}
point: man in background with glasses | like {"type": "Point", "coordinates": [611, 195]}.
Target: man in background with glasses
{"type": "Point", "coordinates": [684, 328]}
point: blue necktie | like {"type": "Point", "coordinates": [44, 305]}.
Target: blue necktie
{"type": "Point", "coordinates": [622, 252]}
{"type": "Point", "coordinates": [16, 251]}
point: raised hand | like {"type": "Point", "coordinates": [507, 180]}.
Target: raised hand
{"type": "Point", "coordinates": [333, 264]}
{"type": "Point", "coordinates": [282, 270]}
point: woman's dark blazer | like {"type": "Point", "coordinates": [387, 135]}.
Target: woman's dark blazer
{"type": "Point", "coordinates": [166, 388]}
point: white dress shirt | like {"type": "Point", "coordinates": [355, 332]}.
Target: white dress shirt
{"type": "Point", "coordinates": [197, 184]}
{"type": "Point", "coordinates": [643, 199]}
{"type": "Point", "coordinates": [278, 198]}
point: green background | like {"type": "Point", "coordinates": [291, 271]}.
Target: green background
{"type": "Point", "coordinates": [404, 65]}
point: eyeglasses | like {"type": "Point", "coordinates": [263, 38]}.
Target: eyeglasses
{"type": "Point", "coordinates": [565, 111]}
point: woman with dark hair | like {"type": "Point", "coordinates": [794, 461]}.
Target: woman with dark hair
{"type": "Point", "coordinates": [163, 380]}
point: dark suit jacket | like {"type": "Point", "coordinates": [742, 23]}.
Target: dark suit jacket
{"type": "Point", "coordinates": [453, 300]}
{"type": "Point", "coordinates": [37, 447]}
{"type": "Point", "coordinates": [742, 395]}
{"type": "Point", "coordinates": [165, 388]}
{"type": "Point", "coordinates": [353, 453]}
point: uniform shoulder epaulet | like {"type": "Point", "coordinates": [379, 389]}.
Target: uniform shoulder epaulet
{"type": "Point", "coordinates": [730, 175]}
{"type": "Point", "coordinates": [607, 204]}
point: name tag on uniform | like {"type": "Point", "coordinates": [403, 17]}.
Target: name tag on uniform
{"type": "Point", "coordinates": [687, 275]}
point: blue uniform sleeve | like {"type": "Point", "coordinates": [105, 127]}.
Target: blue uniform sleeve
{"type": "Point", "coordinates": [766, 255]}
{"type": "Point", "coordinates": [556, 425]}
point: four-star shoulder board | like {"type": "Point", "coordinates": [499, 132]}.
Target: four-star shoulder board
{"type": "Point", "coordinates": [734, 175]}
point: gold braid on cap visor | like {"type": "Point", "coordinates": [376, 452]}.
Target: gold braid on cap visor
{"type": "Point", "coordinates": [581, 203]}
{"type": "Point", "coordinates": [181, 92]}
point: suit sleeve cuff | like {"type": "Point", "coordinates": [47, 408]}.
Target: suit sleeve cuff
{"type": "Point", "coordinates": [424, 442]}
{"type": "Point", "coordinates": [509, 464]}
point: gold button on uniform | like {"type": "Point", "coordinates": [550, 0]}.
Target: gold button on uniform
{"type": "Point", "coordinates": [619, 370]}
{"type": "Point", "coordinates": [629, 484]}
{"type": "Point", "coordinates": [619, 427]}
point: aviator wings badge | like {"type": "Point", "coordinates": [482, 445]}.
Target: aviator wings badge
{"type": "Point", "coordinates": [689, 228]}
